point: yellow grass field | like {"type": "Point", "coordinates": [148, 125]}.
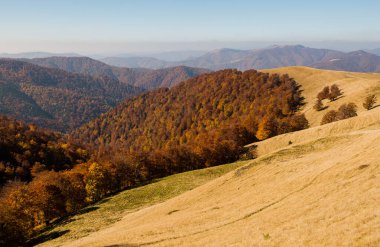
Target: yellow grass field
{"type": "Point", "coordinates": [321, 190]}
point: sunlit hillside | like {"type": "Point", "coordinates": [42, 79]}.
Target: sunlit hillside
{"type": "Point", "coordinates": [355, 87]}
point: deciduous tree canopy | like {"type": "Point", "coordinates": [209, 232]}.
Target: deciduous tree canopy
{"type": "Point", "coordinates": [223, 99]}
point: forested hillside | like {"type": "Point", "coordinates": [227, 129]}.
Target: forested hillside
{"type": "Point", "coordinates": [144, 78]}
{"type": "Point", "coordinates": [263, 105]}
{"type": "Point", "coordinates": [55, 98]}
{"type": "Point", "coordinates": [80, 65]}
{"type": "Point", "coordinates": [26, 150]}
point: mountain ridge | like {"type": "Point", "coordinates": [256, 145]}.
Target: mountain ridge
{"type": "Point", "coordinates": [275, 57]}
{"type": "Point", "coordinates": [139, 77]}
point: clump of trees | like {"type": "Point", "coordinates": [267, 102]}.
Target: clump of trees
{"type": "Point", "coordinates": [332, 93]}
{"type": "Point", "coordinates": [369, 102]}
{"type": "Point", "coordinates": [345, 111]}
{"type": "Point", "coordinates": [324, 94]}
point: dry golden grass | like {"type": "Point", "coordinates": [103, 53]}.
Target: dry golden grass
{"type": "Point", "coordinates": [367, 120]}
{"type": "Point", "coordinates": [321, 192]}
{"type": "Point", "coordinates": [355, 86]}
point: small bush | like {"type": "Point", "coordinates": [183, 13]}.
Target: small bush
{"type": "Point", "coordinates": [318, 106]}
{"type": "Point", "coordinates": [324, 94]}
{"type": "Point", "coordinates": [330, 117]}
{"type": "Point", "coordinates": [345, 111]}
{"type": "Point", "coordinates": [335, 92]}
{"type": "Point", "coordinates": [369, 102]}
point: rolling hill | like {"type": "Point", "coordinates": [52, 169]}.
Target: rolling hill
{"type": "Point", "coordinates": [320, 184]}
{"type": "Point", "coordinates": [54, 98]}
{"type": "Point", "coordinates": [144, 78]}
{"type": "Point", "coordinates": [355, 86]}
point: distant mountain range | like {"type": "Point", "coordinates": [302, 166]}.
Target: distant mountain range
{"type": "Point", "coordinates": [144, 78]}
{"type": "Point", "coordinates": [273, 57]}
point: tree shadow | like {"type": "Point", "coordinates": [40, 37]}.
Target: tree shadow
{"type": "Point", "coordinates": [122, 245]}
{"type": "Point", "coordinates": [86, 210]}
{"type": "Point", "coordinates": [339, 97]}
{"type": "Point", "coordinates": [103, 200]}
{"type": "Point", "coordinates": [46, 237]}
{"type": "Point", "coordinates": [324, 108]}
{"type": "Point", "coordinates": [373, 107]}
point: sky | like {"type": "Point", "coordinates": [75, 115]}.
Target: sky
{"type": "Point", "coordinates": [112, 26]}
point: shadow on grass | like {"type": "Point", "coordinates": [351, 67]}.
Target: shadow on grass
{"type": "Point", "coordinates": [324, 108]}
{"type": "Point", "coordinates": [46, 237]}
{"type": "Point", "coordinates": [339, 97]}
{"type": "Point", "coordinates": [123, 245]}
{"type": "Point", "coordinates": [87, 210]}
{"type": "Point", "coordinates": [373, 107]}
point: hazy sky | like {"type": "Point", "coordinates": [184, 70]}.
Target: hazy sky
{"type": "Point", "coordinates": [136, 25]}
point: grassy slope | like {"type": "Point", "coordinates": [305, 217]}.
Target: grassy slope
{"type": "Point", "coordinates": [355, 86]}
{"type": "Point", "coordinates": [112, 209]}
{"type": "Point", "coordinates": [321, 192]}
{"type": "Point", "coordinates": [368, 120]}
